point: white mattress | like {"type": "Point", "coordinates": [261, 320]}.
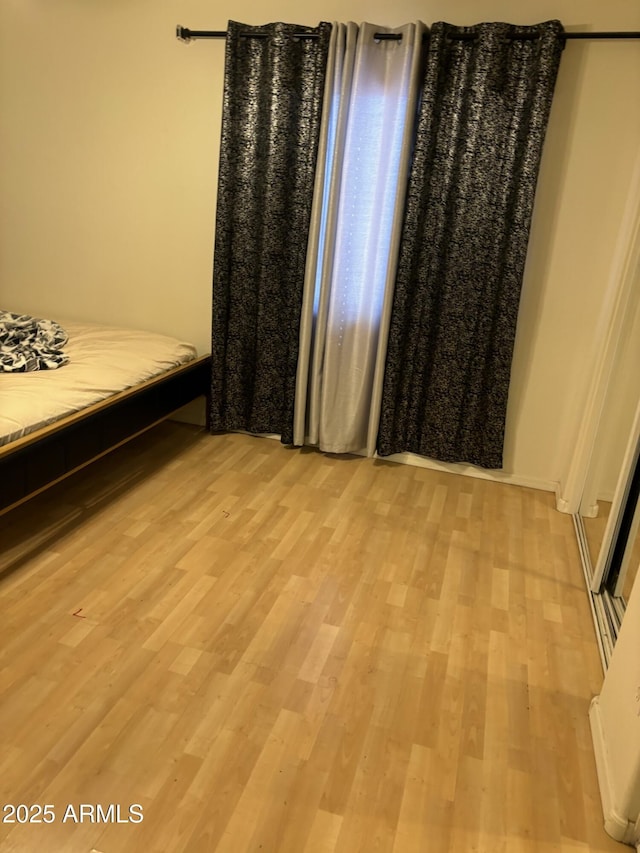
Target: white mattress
{"type": "Point", "coordinates": [103, 360]}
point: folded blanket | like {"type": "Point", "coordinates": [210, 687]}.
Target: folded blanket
{"type": "Point", "coordinates": [27, 343]}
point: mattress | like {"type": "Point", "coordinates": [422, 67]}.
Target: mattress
{"type": "Point", "coordinates": [103, 360]}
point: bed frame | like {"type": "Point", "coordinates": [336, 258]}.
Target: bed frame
{"type": "Point", "coordinates": [36, 461]}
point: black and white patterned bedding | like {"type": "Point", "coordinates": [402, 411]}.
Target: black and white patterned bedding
{"type": "Point", "coordinates": [28, 343]}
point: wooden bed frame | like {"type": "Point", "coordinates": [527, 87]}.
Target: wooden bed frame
{"type": "Point", "coordinates": [36, 461]}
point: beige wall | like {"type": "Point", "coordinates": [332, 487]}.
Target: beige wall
{"type": "Point", "coordinates": [109, 132]}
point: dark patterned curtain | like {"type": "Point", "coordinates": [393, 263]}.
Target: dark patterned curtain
{"type": "Point", "coordinates": [273, 90]}
{"type": "Point", "coordinates": [483, 116]}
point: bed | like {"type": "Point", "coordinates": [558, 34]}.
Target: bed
{"type": "Point", "coordinates": [117, 383]}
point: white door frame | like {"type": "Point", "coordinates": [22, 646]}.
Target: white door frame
{"type": "Point", "coordinates": [622, 277]}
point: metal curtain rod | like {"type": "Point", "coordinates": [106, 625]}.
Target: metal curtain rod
{"type": "Point", "coordinates": [185, 34]}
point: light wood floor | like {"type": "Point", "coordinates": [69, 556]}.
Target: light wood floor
{"type": "Point", "coordinates": [274, 650]}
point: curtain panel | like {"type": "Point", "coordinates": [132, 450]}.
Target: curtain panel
{"type": "Point", "coordinates": [370, 109]}
{"type": "Point", "coordinates": [374, 205]}
{"type": "Point", "coordinates": [272, 107]}
{"type": "Point", "coordinates": [483, 116]}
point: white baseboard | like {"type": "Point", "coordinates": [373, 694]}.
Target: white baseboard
{"type": "Point", "coordinates": [495, 476]}
{"type": "Point", "coordinates": [562, 505]}
{"type": "Point", "coordinates": [615, 824]}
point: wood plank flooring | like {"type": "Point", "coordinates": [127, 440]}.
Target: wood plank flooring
{"type": "Point", "coordinates": [277, 650]}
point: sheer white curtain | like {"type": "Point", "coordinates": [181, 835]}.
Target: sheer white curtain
{"type": "Point", "coordinates": [363, 162]}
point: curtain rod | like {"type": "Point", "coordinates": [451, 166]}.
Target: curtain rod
{"type": "Point", "coordinates": [186, 35]}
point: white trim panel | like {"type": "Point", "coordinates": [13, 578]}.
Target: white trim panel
{"type": "Point", "coordinates": [615, 824]}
